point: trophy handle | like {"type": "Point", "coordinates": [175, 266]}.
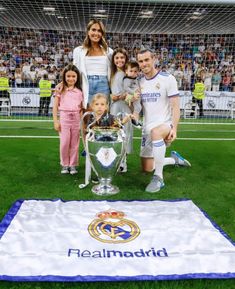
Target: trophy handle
{"type": "Point", "coordinates": [118, 117]}
{"type": "Point", "coordinates": [88, 127]}
{"type": "Point", "coordinates": [125, 136]}
{"type": "Point", "coordinates": [84, 140]}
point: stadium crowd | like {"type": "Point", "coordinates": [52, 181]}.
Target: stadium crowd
{"type": "Point", "coordinates": [26, 55]}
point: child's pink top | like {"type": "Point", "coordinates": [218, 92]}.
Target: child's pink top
{"type": "Point", "coordinates": [71, 100]}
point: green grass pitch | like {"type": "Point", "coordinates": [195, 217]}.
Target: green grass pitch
{"type": "Point", "coordinates": [29, 168]}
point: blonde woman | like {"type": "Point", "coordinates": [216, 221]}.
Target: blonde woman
{"type": "Point", "coordinates": [93, 59]}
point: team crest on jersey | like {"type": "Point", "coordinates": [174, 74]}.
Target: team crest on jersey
{"type": "Point", "coordinates": [111, 227]}
{"type": "Point", "coordinates": [158, 85]}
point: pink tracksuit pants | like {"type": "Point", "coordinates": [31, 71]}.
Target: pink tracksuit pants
{"type": "Point", "coordinates": [69, 137]}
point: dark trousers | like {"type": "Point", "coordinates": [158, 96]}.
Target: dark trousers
{"type": "Point", "coordinates": [200, 105]}
{"type": "Point", "coordinates": [44, 106]}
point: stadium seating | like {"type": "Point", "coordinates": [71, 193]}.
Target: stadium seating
{"type": "Point", "coordinates": [46, 49]}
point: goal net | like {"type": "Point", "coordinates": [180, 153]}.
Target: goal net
{"type": "Point", "coordinates": [189, 40]}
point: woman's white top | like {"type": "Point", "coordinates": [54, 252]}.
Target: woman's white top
{"type": "Point", "coordinates": [97, 65]}
{"type": "Point", "coordinates": [79, 55]}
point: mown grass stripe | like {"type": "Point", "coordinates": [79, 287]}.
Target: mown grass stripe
{"type": "Point", "coordinates": [56, 137]}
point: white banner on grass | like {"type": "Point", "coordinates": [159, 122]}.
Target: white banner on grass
{"type": "Point", "coordinates": [43, 240]}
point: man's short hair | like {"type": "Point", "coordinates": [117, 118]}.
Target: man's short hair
{"type": "Point", "coordinates": [132, 64]}
{"type": "Point", "coordinates": [142, 51]}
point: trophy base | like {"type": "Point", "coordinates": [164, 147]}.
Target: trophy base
{"type": "Point", "coordinates": [105, 190]}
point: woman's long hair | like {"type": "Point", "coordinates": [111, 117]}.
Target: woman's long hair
{"type": "Point", "coordinates": [102, 42]}
{"type": "Point", "coordinates": [113, 66]}
{"type": "Point", "coordinates": [71, 67]}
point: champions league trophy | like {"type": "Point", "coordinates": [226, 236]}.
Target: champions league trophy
{"type": "Point", "coordinates": [105, 149]}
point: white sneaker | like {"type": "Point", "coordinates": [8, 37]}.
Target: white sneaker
{"type": "Point", "coordinates": [155, 185]}
{"type": "Point", "coordinates": [179, 160]}
{"type": "Point", "coordinates": [65, 170]}
{"type": "Point", "coordinates": [136, 123]}
{"type": "Point", "coordinates": [123, 167]}
{"type": "Point", "coordinates": [73, 170]}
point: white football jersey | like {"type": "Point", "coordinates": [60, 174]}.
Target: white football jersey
{"type": "Point", "coordinates": [155, 96]}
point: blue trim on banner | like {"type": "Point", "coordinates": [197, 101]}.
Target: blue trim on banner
{"type": "Point", "coordinates": [217, 226]}
{"type": "Point", "coordinates": [90, 278]}
{"type": "Point", "coordinates": [104, 200]}
{"type": "Point", "coordinates": [6, 221]}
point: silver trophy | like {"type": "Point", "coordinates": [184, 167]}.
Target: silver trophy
{"type": "Point", "coordinates": [105, 149]}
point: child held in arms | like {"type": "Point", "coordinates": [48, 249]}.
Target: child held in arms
{"type": "Point", "coordinates": [131, 87]}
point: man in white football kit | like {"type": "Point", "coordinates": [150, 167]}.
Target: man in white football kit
{"type": "Point", "coordinates": [161, 110]}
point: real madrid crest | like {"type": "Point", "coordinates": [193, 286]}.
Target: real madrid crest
{"type": "Point", "coordinates": [111, 227]}
{"type": "Point", "coordinates": [158, 85]}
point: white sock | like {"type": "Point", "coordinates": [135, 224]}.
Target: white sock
{"type": "Point", "coordinates": [159, 150]}
{"type": "Point", "coordinates": [169, 161]}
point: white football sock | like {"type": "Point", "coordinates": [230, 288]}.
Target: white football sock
{"type": "Point", "coordinates": [159, 150]}
{"type": "Point", "coordinates": [169, 161]}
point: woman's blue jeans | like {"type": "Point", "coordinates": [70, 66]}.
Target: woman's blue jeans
{"type": "Point", "coordinates": [98, 84]}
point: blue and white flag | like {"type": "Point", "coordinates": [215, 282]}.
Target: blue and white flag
{"type": "Point", "coordinates": [43, 240]}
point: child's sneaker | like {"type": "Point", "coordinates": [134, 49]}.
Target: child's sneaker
{"type": "Point", "coordinates": [136, 123]}
{"type": "Point", "coordinates": [94, 180]}
{"type": "Point", "coordinates": [73, 170]}
{"type": "Point", "coordinates": [65, 170]}
{"type": "Point", "coordinates": [123, 167]}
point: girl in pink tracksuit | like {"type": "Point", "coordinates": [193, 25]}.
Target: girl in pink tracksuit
{"type": "Point", "coordinates": [69, 102]}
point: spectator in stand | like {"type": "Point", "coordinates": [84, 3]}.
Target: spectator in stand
{"type": "Point", "coordinates": [203, 71]}
{"type": "Point", "coordinates": [226, 81]}
{"type": "Point", "coordinates": [18, 77]}
{"type": "Point", "coordinates": [188, 72]}
{"type": "Point", "coordinates": [26, 75]}
{"type": "Point", "coordinates": [216, 80]}
{"type": "Point", "coordinates": [41, 71]}
{"type": "Point", "coordinates": [233, 83]}
{"type": "Point", "coordinates": [208, 79]}
{"type": "Point", "coordinates": [52, 73]}
{"type": "Point", "coordinates": [179, 77]}
{"type": "Point", "coordinates": [19, 45]}
{"type": "Point", "coordinates": [33, 76]}
{"type": "Point", "coordinates": [201, 47]}
{"type": "Point", "coordinates": [38, 59]}
{"type": "Point", "coordinates": [3, 68]}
